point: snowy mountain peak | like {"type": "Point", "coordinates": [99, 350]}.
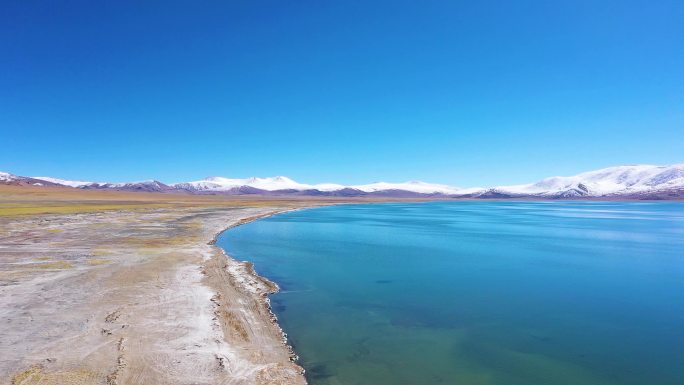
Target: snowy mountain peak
{"type": "Point", "coordinates": [281, 178]}
{"type": "Point", "coordinates": [638, 181]}
{"type": "Point", "coordinates": [412, 186]}
{"type": "Point", "coordinates": [5, 176]}
{"type": "Point", "coordinates": [218, 183]}
{"type": "Point", "coordinates": [624, 180]}
{"type": "Point", "coordinates": [282, 183]}
{"type": "Point", "coordinates": [64, 182]}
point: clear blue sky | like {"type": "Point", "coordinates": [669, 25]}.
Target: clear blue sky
{"type": "Point", "coordinates": [460, 92]}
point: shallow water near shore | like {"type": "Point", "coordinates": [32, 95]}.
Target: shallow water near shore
{"type": "Point", "coordinates": [478, 292]}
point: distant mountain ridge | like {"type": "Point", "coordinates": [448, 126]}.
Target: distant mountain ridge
{"type": "Point", "coordinates": [630, 182]}
{"type": "Point", "coordinates": [620, 181]}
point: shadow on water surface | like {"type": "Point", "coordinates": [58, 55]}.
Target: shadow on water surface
{"type": "Point", "coordinates": [318, 372]}
{"type": "Point", "coordinates": [278, 305]}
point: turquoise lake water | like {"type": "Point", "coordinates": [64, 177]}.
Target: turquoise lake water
{"type": "Point", "coordinates": [478, 292]}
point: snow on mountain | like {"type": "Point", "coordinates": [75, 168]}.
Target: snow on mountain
{"type": "Point", "coordinates": [638, 181]}
{"type": "Point", "coordinates": [622, 180]}
{"type": "Point", "coordinates": [280, 183]}
{"type": "Point", "coordinates": [7, 177]}
{"type": "Point", "coordinates": [63, 182]}
{"type": "Point", "coordinates": [328, 187]}
{"type": "Point", "coordinates": [275, 183]}
{"type": "Point", "coordinates": [412, 186]}
{"type": "Point", "coordinates": [268, 184]}
{"type": "Point", "coordinates": [11, 179]}
{"type": "Point", "coordinates": [218, 183]}
{"type": "Point", "coordinates": [146, 185]}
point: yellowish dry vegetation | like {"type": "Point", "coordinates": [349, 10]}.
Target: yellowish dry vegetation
{"type": "Point", "coordinates": [35, 375]}
{"type": "Point", "coordinates": [47, 208]}
{"type": "Point", "coordinates": [99, 251]}
{"type": "Point", "coordinates": [31, 200]}
{"type": "Point", "coordinates": [26, 376]}
{"type": "Point", "coordinates": [53, 265]}
{"type": "Point", "coordinates": [97, 262]}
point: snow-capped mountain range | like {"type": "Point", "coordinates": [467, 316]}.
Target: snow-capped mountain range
{"type": "Point", "coordinates": [620, 180]}
{"type": "Point", "coordinates": [638, 181]}
{"type": "Point", "coordinates": [282, 183]}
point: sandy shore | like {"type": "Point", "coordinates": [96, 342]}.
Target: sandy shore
{"type": "Point", "coordinates": [135, 297]}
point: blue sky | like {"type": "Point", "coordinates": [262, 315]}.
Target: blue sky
{"type": "Point", "coordinates": [460, 92]}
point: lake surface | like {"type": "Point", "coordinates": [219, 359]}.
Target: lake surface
{"type": "Point", "coordinates": [478, 292]}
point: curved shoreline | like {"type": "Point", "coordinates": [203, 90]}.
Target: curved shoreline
{"type": "Point", "coordinates": [246, 279]}
{"type": "Point", "coordinates": [138, 296]}
{"type": "Point", "coordinates": [138, 293]}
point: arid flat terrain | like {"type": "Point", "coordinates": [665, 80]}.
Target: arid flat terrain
{"type": "Point", "coordinates": [102, 287]}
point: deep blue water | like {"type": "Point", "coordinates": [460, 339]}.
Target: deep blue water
{"type": "Point", "coordinates": [478, 292]}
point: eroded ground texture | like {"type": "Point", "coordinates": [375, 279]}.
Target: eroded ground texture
{"type": "Point", "coordinates": [134, 297]}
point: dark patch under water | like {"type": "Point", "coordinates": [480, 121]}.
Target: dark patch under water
{"type": "Point", "coordinates": [317, 372]}
{"type": "Point", "coordinates": [490, 293]}
{"type": "Point", "coordinates": [278, 306]}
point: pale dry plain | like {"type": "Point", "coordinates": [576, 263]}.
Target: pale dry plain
{"type": "Point", "coordinates": [119, 288]}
